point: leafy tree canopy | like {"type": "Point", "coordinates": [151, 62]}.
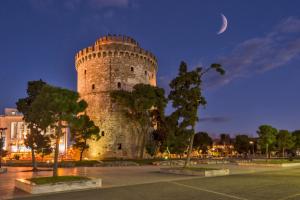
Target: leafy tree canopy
{"type": "Point", "coordinates": [242, 143]}
{"type": "Point", "coordinates": [84, 129]}
{"type": "Point", "coordinates": [202, 141]}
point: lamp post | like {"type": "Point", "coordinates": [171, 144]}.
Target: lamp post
{"type": "Point", "coordinates": [2, 130]}
{"type": "Point", "coordinates": [252, 145]}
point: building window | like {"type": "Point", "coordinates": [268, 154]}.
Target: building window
{"type": "Point", "coordinates": [119, 146]}
{"type": "Point", "coordinates": [102, 133]}
{"type": "Point", "coordinates": [132, 69]}
{"type": "Point", "coordinates": [119, 85]}
{"type": "Point", "coordinates": [93, 86]}
{"type": "Point", "coordinates": [84, 72]}
{"type": "Point", "coordinates": [146, 72]}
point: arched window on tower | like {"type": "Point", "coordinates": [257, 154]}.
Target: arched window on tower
{"type": "Point", "coordinates": [132, 69]}
{"type": "Point", "coordinates": [93, 86]}
{"type": "Point", "coordinates": [119, 85]}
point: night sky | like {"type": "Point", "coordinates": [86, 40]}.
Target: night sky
{"type": "Point", "coordinates": [260, 51]}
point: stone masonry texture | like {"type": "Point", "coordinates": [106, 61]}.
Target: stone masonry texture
{"type": "Point", "coordinates": [112, 63]}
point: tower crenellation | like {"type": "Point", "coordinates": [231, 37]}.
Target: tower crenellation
{"type": "Point", "coordinates": [115, 46]}
{"type": "Point", "coordinates": [114, 62]}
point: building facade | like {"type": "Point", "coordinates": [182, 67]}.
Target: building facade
{"type": "Point", "coordinates": [112, 63]}
{"type": "Point", "coordinates": [16, 131]}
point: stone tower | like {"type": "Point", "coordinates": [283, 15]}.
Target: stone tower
{"type": "Point", "coordinates": [112, 63]}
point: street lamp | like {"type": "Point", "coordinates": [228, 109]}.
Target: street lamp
{"type": "Point", "coordinates": [2, 130]}
{"type": "Point", "coordinates": [252, 144]}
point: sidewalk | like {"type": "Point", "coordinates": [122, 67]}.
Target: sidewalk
{"type": "Point", "coordinates": [111, 176]}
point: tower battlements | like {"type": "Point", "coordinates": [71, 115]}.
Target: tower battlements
{"type": "Point", "coordinates": [115, 46]}
{"type": "Point", "coordinates": [122, 39]}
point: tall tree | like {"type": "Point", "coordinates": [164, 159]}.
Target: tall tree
{"type": "Point", "coordinates": [138, 105]}
{"type": "Point", "coordinates": [186, 97]}
{"type": "Point", "coordinates": [44, 145]}
{"type": "Point", "coordinates": [296, 135]}
{"type": "Point", "coordinates": [242, 143]}
{"type": "Point", "coordinates": [36, 139]}
{"type": "Point", "coordinates": [83, 130]}
{"type": "Point", "coordinates": [267, 137]}
{"type": "Point", "coordinates": [60, 107]}
{"type": "Point", "coordinates": [285, 140]}
{"type": "Point", "coordinates": [225, 140]}
{"type": "Point", "coordinates": [202, 141]}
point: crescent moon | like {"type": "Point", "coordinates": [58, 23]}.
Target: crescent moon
{"type": "Point", "coordinates": [224, 25]}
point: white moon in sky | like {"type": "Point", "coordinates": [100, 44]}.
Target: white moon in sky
{"type": "Point", "coordinates": [224, 25]}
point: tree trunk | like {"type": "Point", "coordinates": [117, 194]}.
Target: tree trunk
{"type": "Point", "coordinates": [282, 152]}
{"type": "Point", "coordinates": [142, 149]}
{"type": "Point", "coordinates": [267, 151]}
{"type": "Point", "coordinates": [34, 165]}
{"type": "Point", "coordinates": [81, 153]}
{"type": "Point", "coordinates": [138, 142]}
{"type": "Point", "coordinates": [188, 158]}
{"type": "Point", "coordinates": [56, 151]}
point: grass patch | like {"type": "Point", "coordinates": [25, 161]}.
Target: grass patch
{"type": "Point", "coordinates": [282, 161]}
{"type": "Point", "coordinates": [141, 161]}
{"type": "Point", "coordinates": [194, 168]}
{"type": "Point", "coordinates": [51, 180]}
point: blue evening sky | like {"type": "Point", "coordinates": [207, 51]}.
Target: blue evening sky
{"type": "Point", "coordinates": [260, 50]}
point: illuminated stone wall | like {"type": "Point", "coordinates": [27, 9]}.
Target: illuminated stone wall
{"type": "Point", "coordinates": [114, 62]}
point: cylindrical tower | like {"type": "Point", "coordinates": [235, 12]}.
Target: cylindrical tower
{"type": "Point", "coordinates": [113, 63]}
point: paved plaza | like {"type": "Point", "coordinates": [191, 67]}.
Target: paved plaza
{"type": "Point", "coordinates": [130, 183]}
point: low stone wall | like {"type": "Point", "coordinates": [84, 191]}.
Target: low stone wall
{"type": "Point", "coordinates": [268, 164]}
{"type": "Point", "coordinates": [192, 162]}
{"type": "Point", "coordinates": [206, 173]}
{"type": "Point", "coordinates": [116, 164]}
{"type": "Point", "coordinates": [33, 188]}
{"type": "Point", "coordinates": [219, 172]}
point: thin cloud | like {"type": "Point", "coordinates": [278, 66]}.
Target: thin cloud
{"type": "Point", "coordinates": [108, 3]}
{"type": "Point", "coordinates": [72, 5]}
{"type": "Point", "coordinates": [214, 119]}
{"type": "Point", "coordinates": [261, 54]}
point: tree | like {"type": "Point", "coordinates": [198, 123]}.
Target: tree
{"type": "Point", "coordinates": [285, 140]}
{"type": "Point", "coordinates": [296, 135]}
{"type": "Point", "coordinates": [137, 106]}
{"type": "Point", "coordinates": [242, 143]}
{"type": "Point", "coordinates": [186, 97]}
{"type": "Point", "coordinates": [225, 139]}
{"type": "Point", "coordinates": [202, 141]}
{"type": "Point", "coordinates": [36, 139]}
{"type": "Point", "coordinates": [60, 108]}
{"type": "Point", "coordinates": [267, 137]}
{"type": "Point", "coordinates": [44, 145]}
{"type": "Point", "coordinates": [83, 130]}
